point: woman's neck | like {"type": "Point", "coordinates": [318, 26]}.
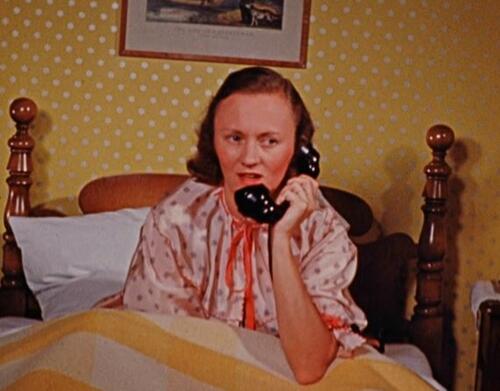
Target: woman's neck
{"type": "Point", "coordinates": [230, 203]}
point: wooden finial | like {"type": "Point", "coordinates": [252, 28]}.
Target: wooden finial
{"type": "Point", "coordinates": [440, 138]}
{"type": "Point", "coordinates": [23, 110]}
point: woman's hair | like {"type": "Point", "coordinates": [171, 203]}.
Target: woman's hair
{"type": "Point", "coordinates": [252, 80]}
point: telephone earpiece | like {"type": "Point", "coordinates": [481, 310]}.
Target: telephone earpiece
{"type": "Point", "coordinates": [307, 161]}
{"type": "Point", "coordinates": [256, 202]}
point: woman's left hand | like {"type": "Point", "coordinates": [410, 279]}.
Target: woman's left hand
{"type": "Point", "coordinates": [302, 194]}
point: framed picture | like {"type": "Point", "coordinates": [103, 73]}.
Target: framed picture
{"type": "Point", "coordinates": [258, 32]}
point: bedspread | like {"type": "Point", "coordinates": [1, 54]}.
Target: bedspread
{"type": "Point", "coordinates": [126, 350]}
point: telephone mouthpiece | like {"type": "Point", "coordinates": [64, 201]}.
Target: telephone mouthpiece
{"type": "Point", "coordinates": [256, 202]}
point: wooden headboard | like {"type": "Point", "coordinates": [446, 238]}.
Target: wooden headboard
{"type": "Point", "coordinates": [379, 286]}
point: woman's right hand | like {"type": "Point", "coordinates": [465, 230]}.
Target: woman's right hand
{"type": "Point", "coordinates": [302, 194]}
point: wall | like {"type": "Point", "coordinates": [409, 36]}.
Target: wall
{"type": "Point", "coordinates": [379, 74]}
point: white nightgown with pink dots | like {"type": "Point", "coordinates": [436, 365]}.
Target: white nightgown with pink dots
{"type": "Point", "coordinates": [182, 262]}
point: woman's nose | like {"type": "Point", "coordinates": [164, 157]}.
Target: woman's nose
{"type": "Point", "coordinates": [250, 154]}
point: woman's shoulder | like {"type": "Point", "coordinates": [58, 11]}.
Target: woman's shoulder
{"type": "Point", "coordinates": [188, 192]}
{"type": "Point", "coordinates": [190, 199]}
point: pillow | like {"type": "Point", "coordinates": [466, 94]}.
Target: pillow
{"type": "Point", "coordinates": [80, 294]}
{"type": "Point", "coordinates": [60, 250]}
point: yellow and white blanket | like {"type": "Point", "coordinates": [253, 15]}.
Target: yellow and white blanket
{"type": "Point", "coordinates": [125, 350]}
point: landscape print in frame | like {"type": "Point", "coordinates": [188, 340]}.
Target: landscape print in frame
{"type": "Point", "coordinates": [258, 32]}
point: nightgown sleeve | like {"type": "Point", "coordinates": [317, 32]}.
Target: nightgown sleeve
{"type": "Point", "coordinates": [328, 267]}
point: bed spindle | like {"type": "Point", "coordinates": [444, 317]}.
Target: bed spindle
{"type": "Point", "coordinates": [427, 322]}
{"type": "Point", "coordinates": [15, 297]}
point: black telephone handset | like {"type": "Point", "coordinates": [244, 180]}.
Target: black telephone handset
{"type": "Point", "coordinates": [256, 202]}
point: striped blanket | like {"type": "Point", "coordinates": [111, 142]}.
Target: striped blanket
{"type": "Point", "coordinates": [125, 350]}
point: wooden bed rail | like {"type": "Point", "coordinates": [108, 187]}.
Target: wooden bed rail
{"type": "Point", "coordinates": [427, 322]}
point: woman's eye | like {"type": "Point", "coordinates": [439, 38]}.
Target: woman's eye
{"type": "Point", "coordinates": [271, 141]}
{"type": "Point", "coordinates": [234, 138]}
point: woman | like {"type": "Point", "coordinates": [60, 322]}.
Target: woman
{"type": "Point", "coordinates": [198, 256]}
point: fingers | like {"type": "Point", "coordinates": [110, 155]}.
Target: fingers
{"type": "Point", "coordinates": [373, 342]}
{"type": "Point", "coordinates": [303, 189]}
{"type": "Point", "coordinates": [302, 194]}
{"type": "Point", "coordinates": [345, 353]}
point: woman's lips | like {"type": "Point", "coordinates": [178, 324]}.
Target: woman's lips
{"type": "Point", "coordinates": [248, 179]}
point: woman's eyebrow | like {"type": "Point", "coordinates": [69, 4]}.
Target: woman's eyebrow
{"type": "Point", "coordinates": [230, 130]}
{"type": "Point", "coordinates": [270, 133]}
{"type": "Point", "coordinates": [266, 133]}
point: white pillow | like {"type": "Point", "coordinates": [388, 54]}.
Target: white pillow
{"type": "Point", "coordinates": [79, 294]}
{"type": "Point", "coordinates": [60, 250]}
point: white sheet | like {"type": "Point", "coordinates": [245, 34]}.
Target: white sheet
{"type": "Point", "coordinates": [11, 324]}
{"type": "Point", "coordinates": [414, 359]}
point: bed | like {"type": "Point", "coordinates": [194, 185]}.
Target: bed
{"type": "Point", "coordinates": [55, 267]}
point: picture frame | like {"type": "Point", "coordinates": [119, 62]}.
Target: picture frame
{"type": "Point", "coordinates": [255, 32]}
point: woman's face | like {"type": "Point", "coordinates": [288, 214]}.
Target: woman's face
{"type": "Point", "coordinates": [254, 138]}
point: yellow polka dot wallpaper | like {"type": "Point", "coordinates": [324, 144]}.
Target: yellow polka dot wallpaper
{"type": "Point", "coordinates": [379, 74]}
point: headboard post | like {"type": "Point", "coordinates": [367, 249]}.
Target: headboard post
{"type": "Point", "coordinates": [427, 322]}
{"type": "Point", "coordinates": [14, 294]}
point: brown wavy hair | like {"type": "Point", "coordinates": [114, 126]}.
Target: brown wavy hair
{"type": "Point", "coordinates": [204, 165]}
